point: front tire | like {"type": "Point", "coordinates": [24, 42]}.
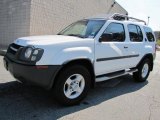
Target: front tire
{"type": "Point", "coordinates": [72, 85]}
{"type": "Point", "coordinates": [143, 71]}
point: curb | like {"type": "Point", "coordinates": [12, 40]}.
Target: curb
{"type": "Point", "coordinates": [3, 52]}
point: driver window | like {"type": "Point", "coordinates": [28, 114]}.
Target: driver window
{"type": "Point", "coordinates": [114, 33]}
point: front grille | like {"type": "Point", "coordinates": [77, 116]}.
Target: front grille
{"type": "Point", "coordinates": [14, 54]}
{"type": "Point", "coordinates": [13, 48]}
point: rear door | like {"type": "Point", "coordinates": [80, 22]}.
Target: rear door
{"type": "Point", "coordinates": [136, 46]}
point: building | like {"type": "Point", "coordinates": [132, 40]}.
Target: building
{"type": "Point", "coordinates": [20, 18]}
{"type": "Point", "coordinates": [157, 34]}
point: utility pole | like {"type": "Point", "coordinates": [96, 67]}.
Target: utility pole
{"type": "Point", "coordinates": [148, 20]}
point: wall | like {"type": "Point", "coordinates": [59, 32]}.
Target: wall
{"type": "Point", "coordinates": [50, 16]}
{"type": "Point", "coordinates": [14, 20]}
{"type": "Point", "coordinates": [157, 34]}
{"type": "Point", "coordinates": [20, 18]}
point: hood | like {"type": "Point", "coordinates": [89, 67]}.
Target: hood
{"type": "Point", "coordinates": [47, 40]}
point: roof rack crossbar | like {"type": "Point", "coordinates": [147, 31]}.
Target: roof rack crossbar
{"type": "Point", "coordinates": [126, 17]}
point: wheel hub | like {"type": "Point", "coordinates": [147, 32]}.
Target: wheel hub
{"type": "Point", "coordinates": [145, 70]}
{"type": "Point", "coordinates": [74, 86]}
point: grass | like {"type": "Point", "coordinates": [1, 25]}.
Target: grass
{"type": "Point", "coordinates": [158, 42]}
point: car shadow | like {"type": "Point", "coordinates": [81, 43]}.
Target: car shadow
{"type": "Point", "coordinates": [18, 101]}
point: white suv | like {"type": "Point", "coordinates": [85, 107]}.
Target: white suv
{"type": "Point", "coordinates": [88, 51]}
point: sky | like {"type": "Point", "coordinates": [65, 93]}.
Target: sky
{"type": "Point", "coordinates": [142, 9]}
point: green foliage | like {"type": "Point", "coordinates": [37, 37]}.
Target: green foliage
{"type": "Point", "coordinates": [158, 42]}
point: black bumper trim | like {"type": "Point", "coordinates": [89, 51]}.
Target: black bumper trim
{"type": "Point", "coordinates": [43, 77]}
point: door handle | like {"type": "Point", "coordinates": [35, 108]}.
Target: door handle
{"type": "Point", "coordinates": [125, 47]}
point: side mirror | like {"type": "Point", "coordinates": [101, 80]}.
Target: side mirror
{"type": "Point", "coordinates": [106, 37]}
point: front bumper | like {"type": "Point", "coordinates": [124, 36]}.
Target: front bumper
{"type": "Point", "coordinates": [39, 75]}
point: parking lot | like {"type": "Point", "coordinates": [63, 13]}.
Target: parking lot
{"type": "Point", "coordinates": [119, 99]}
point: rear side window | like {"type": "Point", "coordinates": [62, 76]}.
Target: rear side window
{"type": "Point", "coordinates": [135, 33]}
{"type": "Point", "coordinates": [114, 33]}
{"type": "Point", "coordinates": [149, 34]}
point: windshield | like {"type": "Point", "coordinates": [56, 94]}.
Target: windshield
{"type": "Point", "coordinates": [83, 29]}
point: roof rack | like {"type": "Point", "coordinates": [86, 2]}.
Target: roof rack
{"type": "Point", "coordinates": [121, 17]}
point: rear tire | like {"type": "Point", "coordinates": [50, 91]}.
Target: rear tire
{"type": "Point", "coordinates": [143, 71]}
{"type": "Point", "coordinates": [72, 85]}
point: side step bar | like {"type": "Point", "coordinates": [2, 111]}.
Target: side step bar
{"type": "Point", "coordinates": [109, 76]}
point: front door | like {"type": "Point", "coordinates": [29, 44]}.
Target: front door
{"type": "Point", "coordinates": [111, 50]}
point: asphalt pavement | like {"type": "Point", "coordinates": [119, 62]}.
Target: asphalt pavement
{"type": "Point", "coordinates": [117, 99]}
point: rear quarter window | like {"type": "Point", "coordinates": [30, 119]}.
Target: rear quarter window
{"type": "Point", "coordinates": [149, 34]}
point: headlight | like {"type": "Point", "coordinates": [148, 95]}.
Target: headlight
{"type": "Point", "coordinates": [28, 52]}
{"type": "Point", "coordinates": [31, 54]}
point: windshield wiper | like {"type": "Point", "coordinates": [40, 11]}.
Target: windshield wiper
{"type": "Point", "coordinates": [76, 35]}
